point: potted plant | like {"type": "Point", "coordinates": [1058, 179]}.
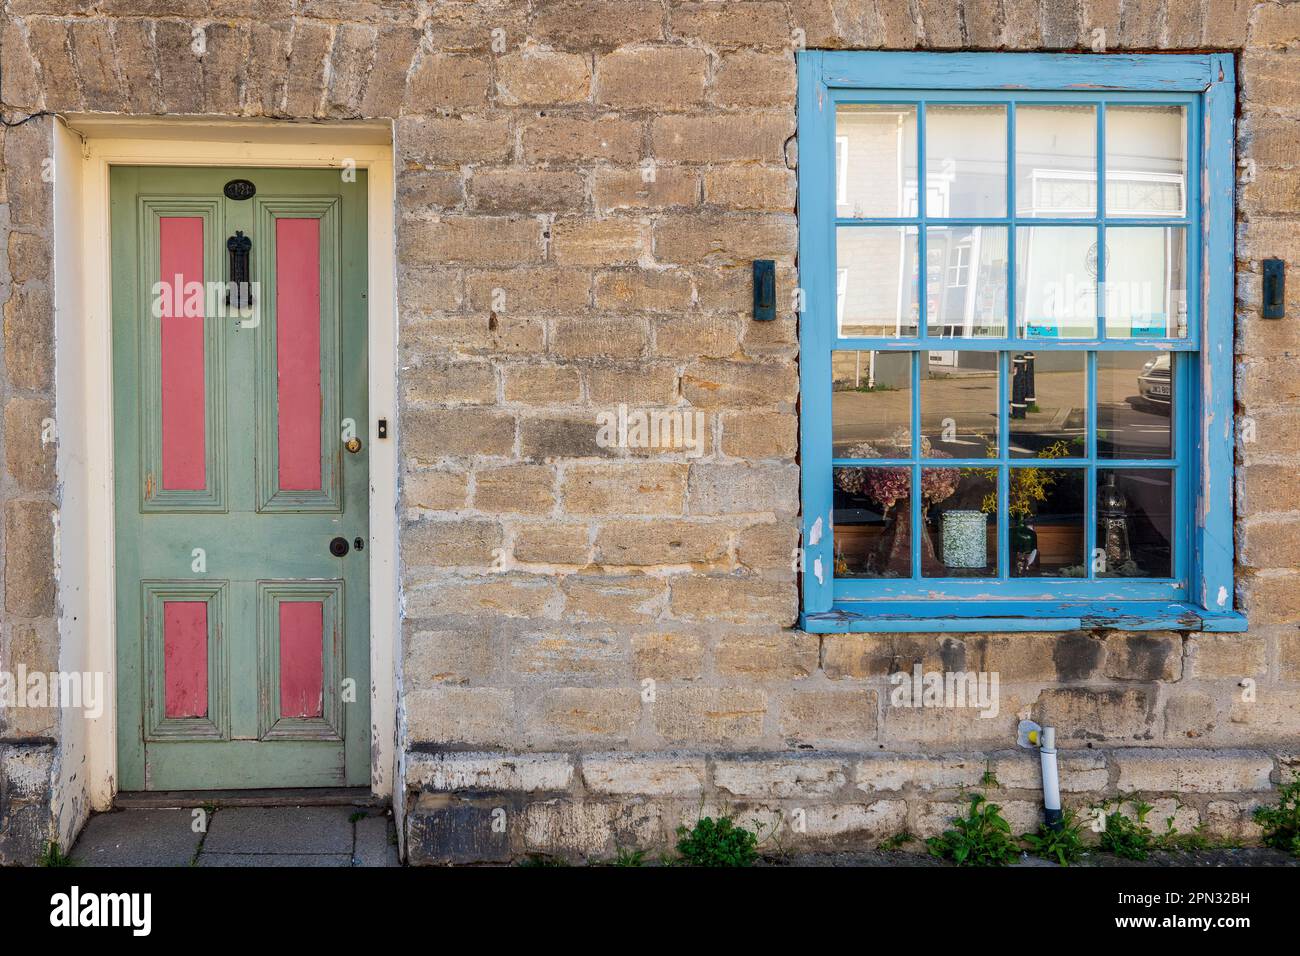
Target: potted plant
{"type": "Point", "coordinates": [890, 489]}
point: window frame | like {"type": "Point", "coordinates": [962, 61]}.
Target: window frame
{"type": "Point", "coordinates": [1202, 596]}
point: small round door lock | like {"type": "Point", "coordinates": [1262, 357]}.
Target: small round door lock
{"type": "Point", "coordinates": [339, 547]}
{"type": "Point", "coordinates": [353, 445]}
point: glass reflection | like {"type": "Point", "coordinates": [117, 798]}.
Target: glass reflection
{"type": "Point", "coordinates": [1146, 161]}
{"type": "Point", "coordinates": [959, 404]}
{"type": "Point", "coordinates": [1146, 282]}
{"type": "Point", "coordinates": [1056, 281]}
{"type": "Point", "coordinates": [871, 404]}
{"type": "Point", "coordinates": [1048, 397]}
{"type": "Point", "coordinates": [1135, 392]}
{"type": "Point", "coordinates": [966, 161]}
{"type": "Point", "coordinates": [876, 281]}
{"type": "Point", "coordinates": [966, 281]}
{"type": "Point", "coordinates": [1056, 160]}
{"type": "Point", "coordinates": [875, 160]}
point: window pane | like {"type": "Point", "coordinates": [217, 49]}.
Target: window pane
{"type": "Point", "coordinates": [873, 522]}
{"type": "Point", "coordinates": [875, 161]}
{"type": "Point", "coordinates": [871, 404]}
{"type": "Point", "coordinates": [1056, 160]}
{"type": "Point", "coordinates": [1135, 392]}
{"type": "Point", "coordinates": [1056, 281]}
{"type": "Point", "coordinates": [1135, 523]}
{"type": "Point", "coordinates": [877, 281]}
{"type": "Point", "coordinates": [966, 280]}
{"type": "Point", "coordinates": [961, 527]}
{"type": "Point", "coordinates": [966, 161]}
{"type": "Point", "coordinates": [1045, 512]}
{"type": "Point", "coordinates": [959, 404]}
{"type": "Point", "coordinates": [1146, 282]}
{"type": "Point", "coordinates": [1146, 161]}
{"type": "Point", "coordinates": [1049, 404]}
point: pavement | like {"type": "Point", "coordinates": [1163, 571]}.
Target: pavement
{"type": "Point", "coordinates": [336, 836]}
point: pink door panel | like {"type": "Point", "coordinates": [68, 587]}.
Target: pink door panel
{"type": "Point", "coordinates": [181, 361]}
{"type": "Point", "coordinates": [297, 349]}
{"type": "Point", "coordinates": [302, 677]}
{"type": "Point", "coordinates": [185, 658]}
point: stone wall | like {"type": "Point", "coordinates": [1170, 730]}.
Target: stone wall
{"type": "Point", "coordinates": [599, 640]}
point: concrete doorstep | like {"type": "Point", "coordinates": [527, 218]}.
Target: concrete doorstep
{"type": "Point", "coordinates": [239, 836]}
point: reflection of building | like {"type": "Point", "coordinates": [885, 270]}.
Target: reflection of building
{"type": "Point", "coordinates": [1058, 266]}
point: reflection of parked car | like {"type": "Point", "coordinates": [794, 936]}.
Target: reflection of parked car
{"type": "Point", "coordinates": [1154, 384]}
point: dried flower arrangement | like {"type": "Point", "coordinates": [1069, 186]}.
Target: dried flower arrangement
{"type": "Point", "coordinates": [887, 486]}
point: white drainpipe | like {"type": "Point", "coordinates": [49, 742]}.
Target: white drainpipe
{"type": "Point", "coordinates": [1030, 735]}
{"type": "Point", "coordinates": [1051, 783]}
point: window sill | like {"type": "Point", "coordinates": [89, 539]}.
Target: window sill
{"type": "Point", "coordinates": [923, 616]}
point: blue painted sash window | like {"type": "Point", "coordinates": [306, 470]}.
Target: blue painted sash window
{"type": "Point", "coordinates": [1016, 341]}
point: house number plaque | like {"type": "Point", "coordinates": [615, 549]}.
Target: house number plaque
{"type": "Point", "coordinates": [239, 189]}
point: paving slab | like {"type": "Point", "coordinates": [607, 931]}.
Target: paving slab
{"type": "Point", "coordinates": [281, 830]}
{"type": "Point", "coordinates": [374, 844]}
{"type": "Point", "coordinates": [274, 859]}
{"type": "Point", "coordinates": [138, 838]}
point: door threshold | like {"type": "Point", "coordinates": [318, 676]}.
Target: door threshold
{"type": "Point", "coordinates": [281, 797]}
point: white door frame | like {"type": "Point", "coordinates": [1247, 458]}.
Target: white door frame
{"type": "Point", "coordinates": [86, 146]}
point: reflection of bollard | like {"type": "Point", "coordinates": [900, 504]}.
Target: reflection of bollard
{"type": "Point", "coordinates": [1031, 396]}
{"type": "Point", "coordinates": [1018, 387]}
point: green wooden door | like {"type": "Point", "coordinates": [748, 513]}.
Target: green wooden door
{"type": "Point", "coordinates": [242, 638]}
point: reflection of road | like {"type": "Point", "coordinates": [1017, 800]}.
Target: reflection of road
{"type": "Point", "coordinates": [1124, 431]}
{"type": "Point", "coordinates": [967, 404]}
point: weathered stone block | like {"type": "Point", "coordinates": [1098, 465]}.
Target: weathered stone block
{"type": "Point", "coordinates": [734, 598]}
{"type": "Point", "coordinates": [29, 335]}
{"type": "Point", "coordinates": [435, 433]}
{"type": "Point", "coordinates": [515, 489]}
{"type": "Point", "coordinates": [564, 139]}
{"type": "Point", "coordinates": [616, 600]}
{"type": "Point", "coordinates": [30, 443]}
{"type": "Point", "coordinates": [710, 714]}
{"type": "Point", "coordinates": [464, 139]}
{"type": "Point", "coordinates": [659, 541]}
{"type": "Point", "coordinates": [524, 772]}
{"type": "Point", "coordinates": [667, 655]}
{"type": "Point", "coordinates": [465, 543]}
{"type": "Point", "coordinates": [770, 655]}
{"type": "Point", "coordinates": [514, 190]}
{"type": "Point", "coordinates": [824, 717]}
{"type": "Point", "coordinates": [649, 187]}
{"type": "Point", "coordinates": [654, 775]}
{"type": "Point", "coordinates": [573, 656]}
{"type": "Point", "coordinates": [445, 829]}
{"type": "Point", "coordinates": [1192, 771]}
{"type": "Point", "coordinates": [586, 714]}
{"type": "Point", "coordinates": [744, 489]}
{"type": "Point", "coordinates": [535, 77]}
{"type": "Point", "coordinates": [29, 558]}
{"type": "Point", "coordinates": [619, 489]}
{"type": "Point", "coordinates": [432, 490]}
{"type": "Point", "coordinates": [448, 81]}
{"type": "Point", "coordinates": [658, 78]}
{"type": "Point", "coordinates": [1144, 657]}
{"type": "Point", "coordinates": [780, 777]}
{"type": "Point", "coordinates": [477, 716]}
{"type": "Point", "coordinates": [1226, 655]}
{"type": "Point", "coordinates": [552, 544]}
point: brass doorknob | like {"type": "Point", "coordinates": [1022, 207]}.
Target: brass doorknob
{"type": "Point", "coordinates": [353, 445]}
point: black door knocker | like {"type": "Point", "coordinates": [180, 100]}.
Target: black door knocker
{"type": "Point", "coordinates": [239, 294]}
